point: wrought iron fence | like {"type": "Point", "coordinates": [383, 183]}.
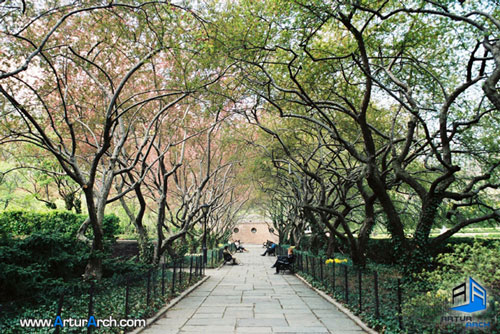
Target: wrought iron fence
{"type": "Point", "coordinates": [360, 289]}
{"type": "Point", "coordinates": [129, 296]}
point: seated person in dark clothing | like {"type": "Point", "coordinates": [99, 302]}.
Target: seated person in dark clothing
{"type": "Point", "coordinates": [284, 261]}
{"type": "Point", "coordinates": [239, 247]}
{"type": "Point", "coordinates": [270, 250]}
{"type": "Point", "coordinates": [228, 257]}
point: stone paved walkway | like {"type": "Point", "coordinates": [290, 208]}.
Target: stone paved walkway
{"type": "Point", "coordinates": [250, 298]}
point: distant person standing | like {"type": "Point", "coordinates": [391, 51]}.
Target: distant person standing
{"type": "Point", "coordinates": [271, 250]}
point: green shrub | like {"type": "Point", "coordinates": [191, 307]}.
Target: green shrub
{"type": "Point", "coordinates": [426, 296]}
{"type": "Point", "coordinates": [22, 223]}
{"type": "Point", "coordinates": [39, 263]}
{"type": "Point", "coordinates": [382, 250]}
{"type": "Point", "coordinates": [129, 267]}
{"type": "Point", "coordinates": [109, 301]}
{"type": "Point", "coordinates": [110, 226]}
{"type": "Point", "coordinates": [3, 232]}
{"type": "Point", "coordinates": [479, 260]}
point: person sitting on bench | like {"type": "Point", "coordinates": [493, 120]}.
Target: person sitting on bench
{"type": "Point", "coordinates": [239, 247]}
{"type": "Point", "coordinates": [284, 262]}
{"type": "Point", "coordinates": [228, 257]}
{"type": "Point", "coordinates": [270, 250]}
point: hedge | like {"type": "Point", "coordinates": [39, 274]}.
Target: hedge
{"type": "Point", "coordinates": [23, 223]}
{"type": "Point", "coordinates": [382, 250]}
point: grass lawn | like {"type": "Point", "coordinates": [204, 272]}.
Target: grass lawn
{"type": "Point", "coordinates": [478, 232]}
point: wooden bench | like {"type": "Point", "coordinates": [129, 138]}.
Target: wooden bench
{"type": "Point", "coordinates": [287, 264]}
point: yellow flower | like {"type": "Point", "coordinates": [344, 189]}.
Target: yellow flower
{"type": "Point", "coordinates": [441, 293]}
{"type": "Point", "coordinates": [329, 261]}
{"type": "Point", "coordinates": [220, 245]}
{"type": "Point", "coordinates": [340, 261]}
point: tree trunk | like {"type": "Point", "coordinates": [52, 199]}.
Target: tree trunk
{"type": "Point", "coordinates": [78, 206]}
{"type": "Point", "coordinates": [394, 225]}
{"type": "Point", "coordinates": [357, 255]}
{"type": "Point", "coordinates": [80, 235]}
{"type": "Point", "coordinates": [366, 229]}
{"type": "Point", "coordinates": [143, 241]}
{"type": "Point", "coordinates": [94, 265]}
{"type": "Point", "coordinates": [330, 251]}
{"type": "Point", "coordinates": [420, 255]}
{"type": "Point", "coordinates": [69, 201]}
{"type": "Point", "coordinates": [426, 220]}
{"type": "Point", "coordinates": [491, 83]}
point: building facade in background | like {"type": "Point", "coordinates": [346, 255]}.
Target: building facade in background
{"type": "Point", "coordinates": [254, 229]}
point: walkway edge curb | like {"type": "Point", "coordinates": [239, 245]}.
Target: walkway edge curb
{"type": "Point", "coordinates": [165, 308]}
{"type": "Point", "coordinates": [341, 307]}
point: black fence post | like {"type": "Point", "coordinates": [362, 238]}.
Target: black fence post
{"type": "Point", "coordinates": [400, 316]}
{"type": "Point", "coordinates": [321, 268]}
{"type": "Point", "coordinates": [91, 304]}
{"type": "Point", "coordinates": [333, 277]}
{"type": "Point", "coordinates": [346, 286]}
{"type": "Point", "coordinates": [375, 282]}
{"type": "Point", "coordinates": [190, 268]}
{"type": "Point", "coordinates": [307, 264]}
{"type": "Point", "coordinates": [59, 310]}
{"type": "Point", "coordinates": [163, 280]}
{"type": "Point", "coordinates": [360, 290]}
{"type": "Point", "coordinates": [180, 271]}
{"type": "Point", "coordinates": [148, 288]}
{"type": "Point", "coordinates": [127, 296]}
{"type": "Point", "coordinates": [173, 276]}
{"type": "Point", "coordinates": [155, 277]}
{"type": "Point", "coordinates": [313, 266]}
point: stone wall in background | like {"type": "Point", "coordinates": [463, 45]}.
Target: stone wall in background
{"type": "Point", "coordinates": [253, 233]}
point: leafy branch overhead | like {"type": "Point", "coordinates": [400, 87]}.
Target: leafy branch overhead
{"type": "Point", "coordinates": [342, 119]}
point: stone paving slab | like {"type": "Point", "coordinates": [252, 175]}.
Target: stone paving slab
{"type": "Point", "coordinates": [250, 298]}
